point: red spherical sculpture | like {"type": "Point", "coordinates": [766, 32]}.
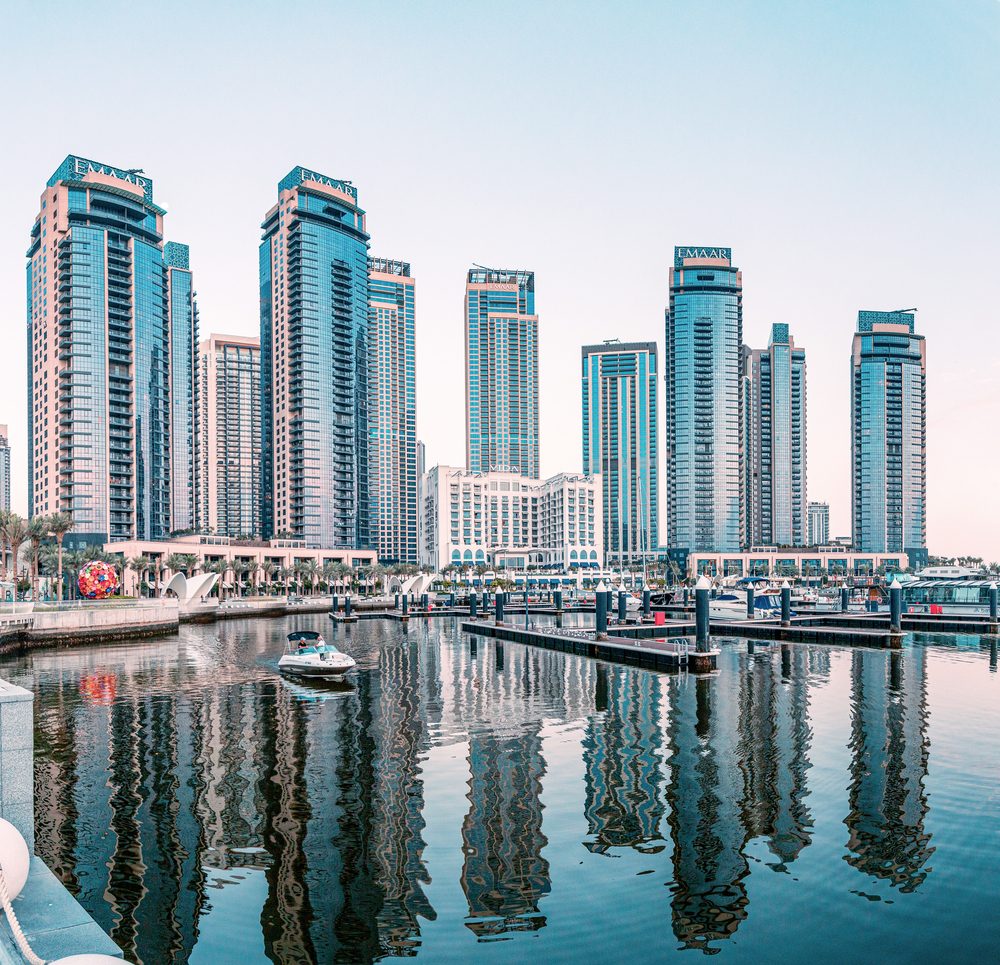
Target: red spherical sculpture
{"type": "Point", "coordinates": [97, 580]}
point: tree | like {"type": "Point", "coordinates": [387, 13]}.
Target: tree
{"type": "Point", "coordinates": [38, 529]}
{"type": "Point", "coordinates": [15, 533]}
{"type": "Point", "coordinates": [268, 567]}
{"type": "Point", "coordinates": [59, 525]}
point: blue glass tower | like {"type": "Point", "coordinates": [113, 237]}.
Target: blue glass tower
{"type": "Point", "coordinates": [889, 436]}
{"type": "Point", "coordinates": [314, 363]}
{"type": "Point", "coordinates": [704, 401]}
{"type": "Point", "coordinates": [778, 445]}
{"type": "Point", "coordinates": [620, 442]}
{"type": "Point", "coordinates": [393, 411]}
{"type": "Point", "coordinates": [501, 373]}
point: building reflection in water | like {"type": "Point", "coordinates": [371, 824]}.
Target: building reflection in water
{"type": "Point", "coordinates": [889, 749]}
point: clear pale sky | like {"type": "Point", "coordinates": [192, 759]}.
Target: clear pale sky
{"type": "Point", "coordinates": [847, 152]}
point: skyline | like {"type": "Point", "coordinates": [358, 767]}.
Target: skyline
{"type": "Point", "coordinates": [819, 167]}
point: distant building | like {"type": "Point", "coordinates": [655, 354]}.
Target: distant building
{"type": "Point", "coordinates": [777, 442]}
{"type": "Point", "coordinates": [819, 524]}
{"type": "Point", "coordinates": [392, 411]}
{"type": "Point", "coordinates": [229, 434]}
{"type": "Point", "coordinates": [501, 371]}
{"type": "Point", "coordinates": [620, 438]}
{"type": "Point", "coordinates": [505, 519]}
{"type": "Point", "coordinates": [704, 401]}
{"type": "Point", "coordinates": [889, 436]}
{"type": "Point", "coordinates": [4, 470]}
{"type": "Point", "coordinates": [314, 363]}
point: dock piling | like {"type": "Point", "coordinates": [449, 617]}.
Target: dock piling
{"type": "Point", "coordinates": [622, 606]}
{"type": "Point", "coordinates": [750, 604]}
{"type": "Point", "coordinates": [786, 604]}
{"type": "Point", "coordinates": [473, 605]}
{"type": "Point", "coordinates": [895, 607]}
{"type": "Point", "coordinates": [701, 592]}
{"type": "Point", "coordinates": [347, 605]}
{"type": "Point", "coordinates": [845, 599]}
{"type": "Point", "coordinates": [993, 604]}
{"type": "Point", "coordinates": [499, 608]}
{"type": "Point", "coordinates": [601, 605]}
{"type": "Point", "coordinates": [647, 598]}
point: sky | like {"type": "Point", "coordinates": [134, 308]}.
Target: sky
{"type": "Point", "coordinates": [846, 152]}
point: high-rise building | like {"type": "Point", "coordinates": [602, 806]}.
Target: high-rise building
{"type": "Point", "coordinates": [229, 434]}
{"type": "Point", "coordinates": [99, 365]}
{"type": "Point", "coordinates": [392, 411]}
{"type": "Point", "coordinates": [182, 321]}
{"type": "Point", "coordinates": [619, 383]}
{"type": "Point", "coordinates": [4, 470]}
{"type": "Point", "coordinates": [777, 451]}
{"type": "Point", "coordinates": [501, 371]}
{"type": "Point", "coordinates": [314, 363]}
{"type": "Point", "coordinates": [819, 524]}
{"type": "Point", "coordinates": [704, 401]}
{"type": "Point", "coordinates": [889, 436]}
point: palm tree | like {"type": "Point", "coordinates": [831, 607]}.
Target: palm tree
{"type": "Point", "coordinates": [308, 570]}
{"type": "Point", "coordinates": [240, 568]}
{"type": "Point", "coordinates": [140, 565]}
{"type": "Point", "coordinates": [15, 533]}
{"type": "Point", "coordinates": [221, 567]}
{"type": "Point", "coordinates": [268, 567]}
{"type": "Point", "coordinates": [38, 529]}
{"type": "Point", "coordinates": [59, 525]}
{"type": "Point", "coordinates": [176, 562]}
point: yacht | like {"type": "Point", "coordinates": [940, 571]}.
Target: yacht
{"type": "Point", "coordinates": [307, 654]}
{"type": "Point", "coordinates": [732, 605]}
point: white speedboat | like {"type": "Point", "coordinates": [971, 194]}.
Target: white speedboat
{"type": "Point", "coordinates": [307, 654]}
{"type": "Point", "coordinates": [733, 606]}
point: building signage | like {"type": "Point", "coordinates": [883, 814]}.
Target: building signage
{"type": "Point", "coordinates": [80, 167]}
{"type": "Point", "coordinates": [306, 175]}
{"type": "Point", "coordinates": [703, 253]}
{"type": "Point", "coordinates": [514, 469]}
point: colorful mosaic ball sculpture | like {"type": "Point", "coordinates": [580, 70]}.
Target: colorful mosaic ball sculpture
{"type": "Point", "coordinates": [97, 580]}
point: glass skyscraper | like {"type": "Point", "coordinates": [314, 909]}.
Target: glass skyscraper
{"type": "Point", "coordinates": [889, 436]}
{"type": "Point", "coordinates": [619, 383]}
{"type": "Point", "coordinates": [182, 316]}
{"type": "Point", "coordinates": [778, 442]}
{"type": "Point", "coordinates": [314, 363]}
{"type": "Point", "coordinates": [99, 360]}
{"type": "Point", "coordinates": [501, 371]}
{"type": "Point", "coordinates": [392, 411]}
{"type": "Point", "coordinates": [704, 401]}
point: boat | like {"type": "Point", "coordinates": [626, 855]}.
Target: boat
{"type": "Point", "coordinates": [307, 654]}
{"type": "Point", "coordinates": [733, 606]}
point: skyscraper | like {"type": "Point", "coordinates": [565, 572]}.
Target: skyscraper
{"type": "Point", "coordinates": [392, 411]}
{"type": "Point", "coordinates": [99, 410]}
{"type": "Point", "coordinates": [819, 524]}
{"type": "Point", "coordinates": [889, 436]}
{"type": "Point", "coordinates": [182, 319]}
{"type": "Point", "coordinates": [778, 443]}
{"type": "Point", "coordinates": [229, 434]}
{"type": "Point", "coordinates": [4, 470]}
{"type": "Point", "coordinates": [314, 363]}
{"type": "Point", "coordinates": [620, 442]}
{"type": "Point", "coordinates": [501, 371]}
{"type": "Point", "coordinates": [704, 336]}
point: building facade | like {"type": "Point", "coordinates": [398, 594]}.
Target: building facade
{"type": "Point", "coordinates": [813, 561]}
{"type": "Point", "coordinates": [819, 524]}
{"type": "Point", "coordinates": [314, 363]}
{"type": "Point", "coordinates": [392, 411]}
{"type": "Point", "coordinates": [620, 437]}
{"type": "Point", "coordinates": [229, 435]}
{"type": "Point", "coordinates": [99, 359]}
{"type": "Point", "coordinates": [501, 371]}
{"type": "Point", "coordinates": [777, 453]}
{"type": "Point", "coordinates": [4, 470]}
{"type": "Point", "coordinates": [182, 324]}
{"type": "Point", "coordinates": [505, 519]}
{"type": "Point", "coordinates": [889, 436]}
{"type": "Point", "coordinates": [704, 401]}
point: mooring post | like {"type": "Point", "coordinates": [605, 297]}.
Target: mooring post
{"type": "Point", "coordinates": [347, 605]}
{"type": "Point", "coordinates": [647, 599]}
{"type": "Point", "coordinates": [993, 605]}
{"type": "Point", "coordinates": [558, 600]}
{"type": "Point", "coordinates": [622, 606]}
{"type": "Point", "coordinates": [406, 603]}
{"type": "Point", "coordinates": [750, 603]}
{"type": "Point", "coordinates": [395, 604]}
{"type": "Point", "coordinates": [424, 602]}
{"type": "Point", "coordinates": [895, 607]}
{"type": "Point", "coordinates": [687, 596]}
{"type": "Point", "coordinates": [701, 591]}
{"type": "Point", "coordinates": [473, 605]}
{"type": "Point", "coordinates": [845, 599]}
{"type": "Point", "coordinates": [451, 601]}
{"type": "Point", "coordinates": [786, 604]}
{"type": "Point", "coordinates": [525, 608]}
{"type": "Point", "coordinates": [334, 603]}
{"type": "Point", "coordinates": [601, 603]}
{"type": "Point", "coordinates": [499, 608]}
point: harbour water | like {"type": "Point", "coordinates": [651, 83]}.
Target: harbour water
{"type": "Point", "coordinates": [463, 800]}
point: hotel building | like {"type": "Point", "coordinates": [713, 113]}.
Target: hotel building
{"type": "Point", "coordinates": [777, 450]}
{"type": "Point", "coordinates": [229, 434]}
{"type": "Point", "coordinates": [501, 371]}
{"type": "Point", "coordinates": [889, 436]}
{"type": "Point", "coordinates": [508, 519]}
{"type": "Point", "coordinates": [392, 411]}
{"type": "Point", "coordinates": [100, 355]}
{"type": "Point", "coordinates": [704, 401]}
{"type": "Point", "coordinates": [182, 323]}
{"type": "Point", "coordinates": [819, 524]}
{"type": "Point", "coordinates": [4, 470]}
{"type": "Point", "coordinates": [314, 363]}
{"type": "Point", "coordinates": [619, 392]}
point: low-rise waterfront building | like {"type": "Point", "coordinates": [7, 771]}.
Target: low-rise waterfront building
{"type": "Point", "coordinates": [831, 560]}
{"type": "Point", "coordinates": [505, 519]}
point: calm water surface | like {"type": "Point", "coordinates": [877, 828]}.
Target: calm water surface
{"type": "Point", "coordinates": [467, 801]}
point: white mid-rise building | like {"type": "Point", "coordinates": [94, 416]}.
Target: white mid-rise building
{"type": "Point", "coordinates": [504, 519]}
